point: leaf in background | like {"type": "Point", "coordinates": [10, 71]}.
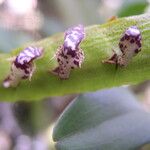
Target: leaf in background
{"type": "Point", "coordinates": [132, 7]}
{"type": "Point", "coordinates": [104, 120]}
{"type": "Point", "coordinates": [98, 45]}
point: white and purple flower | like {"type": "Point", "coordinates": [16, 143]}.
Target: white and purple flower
{"type": "Point", "coordinates": [23, 67]}
{"type": "Point", "coordinates": [70, 55]}
{"type": "Point", "coordinates": [130, 45]}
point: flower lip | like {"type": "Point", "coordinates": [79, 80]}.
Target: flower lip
{"type": "Point", "coordinates": [73, 37]}
{"type": "Point", "coordinates": [28, 55]}
{"type": "Point", "coordinates": [133, 31]}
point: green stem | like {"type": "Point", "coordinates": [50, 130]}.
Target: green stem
{"type": "Point", "coordinates": [97, 46]}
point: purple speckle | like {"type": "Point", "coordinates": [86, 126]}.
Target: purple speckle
{"type": "Point", "coordinates": [71, 53]}
{"type": "Point", "coordinates": [122, 39]}
{"type": "Point", "coordinates": [126, 37]}
{"type": "Point", "coordinates": [132, 41]}
{"type": "Point", "coordinates": [76, 63]}
{"type": "Point", "coordinates": [137, 50]}
{"type": "Point", "coordinates": [121, 45]}
{"type": "Point", "coordinates": [139, 43]}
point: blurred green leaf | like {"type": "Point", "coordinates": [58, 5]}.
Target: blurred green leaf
{"type": "Point", "coordinates": [104, 120]}
{"type": "Point", "coordinates": [98, 45]}
{"type": "Point", "coordinates": [132, 7]}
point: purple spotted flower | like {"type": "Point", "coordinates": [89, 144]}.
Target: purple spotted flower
{"type": "Point", "coordinates": [130, 44]}
{"type": "Point", "coordinates": [70, 55]}
{"type": "Point", "coordinates": [23, 67]}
